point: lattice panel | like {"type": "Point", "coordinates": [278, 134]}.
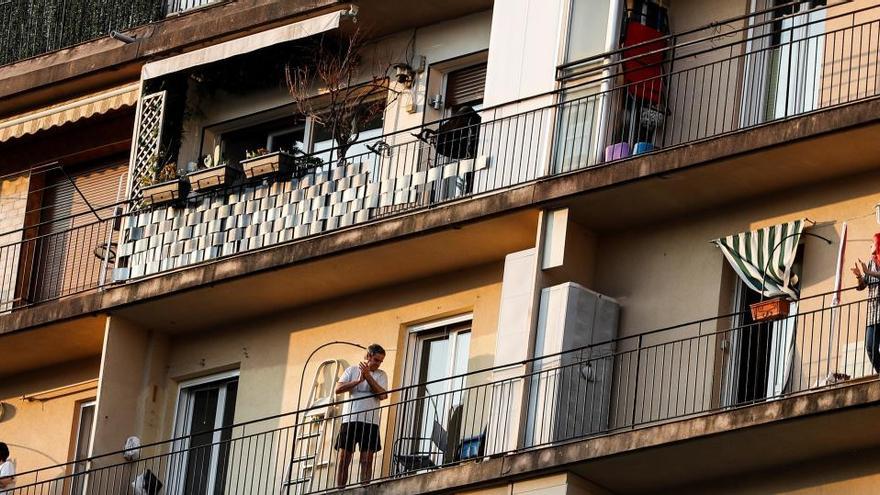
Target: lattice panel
{"type": "Point", "coordinates": [147, 141]}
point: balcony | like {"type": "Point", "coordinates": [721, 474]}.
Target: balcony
{"type": "Point", "coordinates": [708, 87]}
{"type": "Point", "coordinates": [661, 377]}
{"type": "Point", "coordinates": [32, 28]}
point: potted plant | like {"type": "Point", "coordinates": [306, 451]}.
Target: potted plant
{"type": "Point", "coordinates": [209, 175]}
{"type": "Point", "coordinates": [162, 185]}
{"type": "Point", "coordinates": [771, 309]}
{"type": "Point", "coordinates": [260, 162]}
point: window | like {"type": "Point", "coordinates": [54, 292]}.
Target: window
{"type": "Point", "coordinates": [370, 134]}
{"type": "Point", "coordinates": [587, 25]}
{"type": "Point", "coordinates": [285, 134]}
{"type": "Point", "coordinates": [275, 131]}
{"type": "Point", "coordinates": [204, 407]}
{"type": "Point", "coordinates": [465, 87]}
{"type": "Point", "coordinates": [82, 445]}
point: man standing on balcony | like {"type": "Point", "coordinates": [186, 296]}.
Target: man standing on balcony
{"type": "Point", "coordinates": [868, 275]}
{"type": "Point", "coordinates": [7, 470]}
{"type": "Point", "coordinates": [367, 385]}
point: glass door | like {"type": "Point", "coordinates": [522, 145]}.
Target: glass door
{"type": "Point", "coordinates": [85, 421]}
{"type": "Point", "coordinates": [204, 408]}
{"type": "Point", "coordinates": [783, 68]}
{"type": "Point", "coordinates": [436, 407]}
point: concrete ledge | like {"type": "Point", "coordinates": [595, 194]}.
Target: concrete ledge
{"type": "Point", "coordinates": [554, 190]}
{"type": "Point", "coordinates": [562, 457]}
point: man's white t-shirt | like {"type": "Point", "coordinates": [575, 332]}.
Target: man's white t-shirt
{"type": "Point", "coordinates": [363, 409]}
{"type": "Point", "coordinates": [7, 469]}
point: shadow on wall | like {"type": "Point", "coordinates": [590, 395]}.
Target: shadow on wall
{"type": "Point", "coordinates": [7, 411]}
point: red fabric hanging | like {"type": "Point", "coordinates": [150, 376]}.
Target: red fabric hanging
{"type": "Point", "coordinates": [642, 69]}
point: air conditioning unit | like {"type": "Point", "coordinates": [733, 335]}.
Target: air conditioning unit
{"type": "Point", "coordinates": [569, 392]}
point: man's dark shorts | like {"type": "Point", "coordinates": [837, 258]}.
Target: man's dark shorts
{"type": "Point", "coordinates": [365, 435]}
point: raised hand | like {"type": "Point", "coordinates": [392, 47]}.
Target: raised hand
{"type": "Point", "coordinates": [365, 370]}
{"type": "Point", "coordinates": [856, 271]}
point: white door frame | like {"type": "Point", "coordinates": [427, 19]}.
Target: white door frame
{"type": "Point", "coordinates": [183, 425]}
{"type": "Point", "coordinates": [807, 52]}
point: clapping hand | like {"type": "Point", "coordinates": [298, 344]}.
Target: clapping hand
{"type": "Point", "coordinates": [863, 266]}
{"type": "Point", "coordinates": [365, 370]}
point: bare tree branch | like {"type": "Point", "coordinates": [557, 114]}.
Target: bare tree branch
{"type": "Point", "coordinates": [342, 106]}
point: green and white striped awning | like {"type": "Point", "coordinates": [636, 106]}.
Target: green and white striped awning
{"type": "Point", "coordinates": [749, 254]}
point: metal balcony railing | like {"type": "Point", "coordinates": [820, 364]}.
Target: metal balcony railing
{"type": "Point", "coordinates": [33, 27]}
{"type": "Point", "coordinates": [675, 373]}
{"type": "Point", "coordinates": [758, 69]}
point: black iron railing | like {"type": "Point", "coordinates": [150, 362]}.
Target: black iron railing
{"type": "Point", "coordinates": [704, 86]}
{"type": "Point", "coordinates": [33, 27]}
{"type": "Point", "coordinates": [665, 375]}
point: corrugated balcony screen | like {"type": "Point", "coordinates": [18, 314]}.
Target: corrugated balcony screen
{"type": "Point", "coordinates": [750, 253]}
{"type": "Point", "coordinates": [466, 86]}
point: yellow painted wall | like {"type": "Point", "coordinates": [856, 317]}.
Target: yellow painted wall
{"type": "Point", "coordinates": [41, 433]}
{"type": "Point", "coordinates": [269, 351]}
{"type": "Point", "coordinates": [143, 371]}
{"type": "Point", "coordinates": [555, 484]}
{"type": "Point", "coordinates": [669, 273]}
{"type": "Point", "coordinates": [13, 202]}
{"type": "Point", "coordinates": [853, 473]}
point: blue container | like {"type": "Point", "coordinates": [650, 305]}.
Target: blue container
{"type": "Point", "coordinates": [643, 147]}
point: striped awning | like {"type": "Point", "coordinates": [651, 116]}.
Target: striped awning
{"type": "Point", "coordinates": [240, 46]}
{"type": "Point", "coordinates": [772, 249]}
{"type": "Point", "coordinates": [69, 111]}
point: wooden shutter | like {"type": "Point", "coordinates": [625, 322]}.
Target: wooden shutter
{"type": "Point", "coordinates": [66, 256]}
{"type": "Point", "coordinates": [99, 185]}
{"type": "Point", "coordinates": [466, 86]}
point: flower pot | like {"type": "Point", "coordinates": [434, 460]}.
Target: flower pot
{"type": "Point", "coordinates": [208, 178]}
{"type": "Point", "coordinates": [164, 192]}
{"type": "Point", "coordinates": [770, 309]}
{"type": "Point", "coordinates": [278, 162]}
{"type": "Point", "coordinates": [617, 151]}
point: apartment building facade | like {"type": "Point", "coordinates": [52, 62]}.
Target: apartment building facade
{"type": "Point", "coordinates": [553, 215]}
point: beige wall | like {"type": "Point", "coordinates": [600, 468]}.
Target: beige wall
{"type": "Point", "coordinates": [127, 396]}
{"type": "Point", "coordinates": [670, 274]}
{"type": "Point", "coordinates": [555, 484]}
{"type": "Point", "coordinates": [269, 351]}
{"type": "Point", "coordinates": [704, 88]}
{"type": "Point", "coordinates": [850, 64]}
{"type": "Point", "coordinates": [41, 432]}
{"type": "Point", "coordinates": [141, 371]}
{"type": "Point", "coordinates": [852, 473]}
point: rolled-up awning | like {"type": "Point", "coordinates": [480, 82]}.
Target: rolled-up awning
{"type": "Point", "coordinates": [69, 111]}
{"type": "Point", "coordinates": [245, 44]}
{"type": "Point", "coordinates": [772, 249]}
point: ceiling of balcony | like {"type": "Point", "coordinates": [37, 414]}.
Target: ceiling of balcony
{"type": "Point", "coordinates": [53, 344]}
{"type": "Point", "coordinates": [382, 17]}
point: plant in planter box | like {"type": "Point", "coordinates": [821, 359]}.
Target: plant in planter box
{"type": "Point", "coordinates": [260, 162]}
{"type": "Point", "coordinates": [209, 175]}
{"type": "Point", "coordinates": [161, 185]}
